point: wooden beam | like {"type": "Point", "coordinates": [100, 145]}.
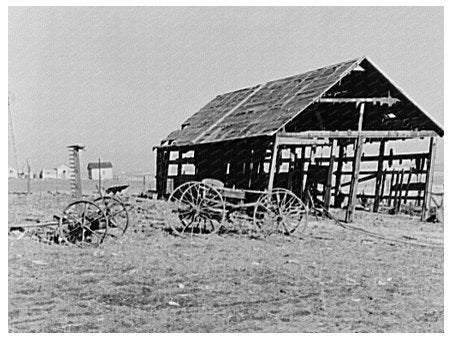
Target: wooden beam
{"type": "Point", "coordinates": [383, 182]}
{"type": "Point", "coordinates": [327, 197]}
{"type": "Point", "coordinates": [273, 164]}
{"type": "Point", "coordinates": [302, 161]}
{"type": "Point", "coordinates": [407, 188]}
{"type": "Point", "coordinates": [227, 114]}
{"type": "Point", "coordinates": [291, 168]}
{"type": "Point", "coordinates": [391, 185]}
{"type": "Point", "coordinates": [356, 167]}
{"type": "Point", "coordinates": [379, 176]}
{"type": "Point", "coordinates": [399, 191]}
{"type": "Point", "coordinates": [369, 158]}
{"type": "Point", "coordinates": [367, 178]}
{"type": "Point", "coordinates": [396, 134]}
{"type": "Point", "coordinates": [359, 101]}
{"type": "Point", "coordinates": [289, 140]}
{"type": "Point", "coordinates": [367, 172]}
{"type": "Point", "coordinates": [370, 196]}
{"type": "Point", "coordinates": [337, 184]}
{"type": "Point", "coordinates": [162, 171]}
{"type": "Point", "coordinates": [429, 178]}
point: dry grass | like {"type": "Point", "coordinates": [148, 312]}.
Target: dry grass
{"type": "Point", "coordinates": [332, 280]}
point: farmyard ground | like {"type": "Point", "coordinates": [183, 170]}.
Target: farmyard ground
{"type": "Point", "coordinates": [328, 280]}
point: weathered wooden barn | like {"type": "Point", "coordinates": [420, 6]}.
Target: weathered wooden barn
{"type": "Point", "coordinates": [301, 132]}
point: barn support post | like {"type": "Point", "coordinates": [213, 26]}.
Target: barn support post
{"type": "Point", "coordinates": [303, 155]}
{"type": "Point", "coordinates": [162, 171]}
{"type": "Point", "coordinates": [337, 186]}
{"type": "Point", "coordinates": [420, 167]}
{"type": "Point", "coordinates": [383, 184]}
{"type": "Point", "coordinates": [179, 163]}
{"type": "Point", "coordinates": [291, 169]}
{"type": "Point", "coordinates": [355, 178]}
{"type": "Point", "coordinates": [398, 200]}
{"type": "Point", "coordinates": [391, 185]}
{"type": "Point", "coordinates": [407, 187]}
{"type": "Point", "coordinates": [356, 167]}
{"type": "Point", "coordinates": [396, 189]}
{"type": "Point", "coordinates": [429, 178]}
{"type": "Point", "coordinates": [327, 197]}
{"type": "Point", "coordinates": [272, 173]}
{"type": "Point", "coordinates": [378, 181]}
{"type": "Point", "coordinates": [253, 169]}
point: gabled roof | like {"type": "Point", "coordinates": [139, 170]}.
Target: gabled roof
{"type": "Point", "coordinates": [96, 165]}
{"type": "Point", "coordinates": [264, 109]}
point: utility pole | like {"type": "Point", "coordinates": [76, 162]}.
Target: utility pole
{"type": "Point", "coordinates": [100, 178]}
{"type": "Point", "coordinates": [11, 132]}
{"type": "Point", "coordinates": [28, 177]}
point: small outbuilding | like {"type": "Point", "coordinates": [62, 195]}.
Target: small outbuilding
{"type": "Point", "coordinates": [104, 169]}
{"type": "Point", "coordinates": [63, 172]}
{"type": "Point", "coordinates": [313, 132]}
{"type": "Point", "coordinates": [48, 174]}
{"type": "Point", "coordinates": [12, 173]}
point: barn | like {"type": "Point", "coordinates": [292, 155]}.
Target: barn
{"type": "Point", "coordinates": [102, 169]}
{"type": "Point", "coordinates": [49, 173]}
{"type": "Point", "coordinates": [333, 132]}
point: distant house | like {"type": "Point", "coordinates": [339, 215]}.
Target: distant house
{"type": "Point", "coordinates": [12, 173]}
{"type": "Point", "coordinates": [48, 174]}
{"type": "Point", "coordinates": [104, 168]}
{"type": "Point", "coordinates": [63, 171]}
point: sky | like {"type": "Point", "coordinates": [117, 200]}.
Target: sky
{"type": "Point", "coordinates": [120, 79]}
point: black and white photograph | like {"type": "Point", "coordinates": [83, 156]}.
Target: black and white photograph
{"type": "Point", "coordinates": [225, 169]}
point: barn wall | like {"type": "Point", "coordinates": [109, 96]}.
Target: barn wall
{"type": "Point", "coordinates": [238, 164]}
{"type": "Point", "coordinates": [105, 173]}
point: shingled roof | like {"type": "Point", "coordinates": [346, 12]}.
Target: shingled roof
{"type": "Point", "coordinates": [265, 109]}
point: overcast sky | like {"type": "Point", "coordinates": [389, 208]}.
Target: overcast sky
{"type": "Point", "coordinates": [119, 79]}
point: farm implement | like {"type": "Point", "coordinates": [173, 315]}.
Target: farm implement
{"type": "Point", "coordinates": [83, 222]}
{"type": "Point", "coordinates": [205, 207]}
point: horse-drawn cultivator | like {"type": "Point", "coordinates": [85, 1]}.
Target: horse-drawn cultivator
{"type": "Point", "coordinates": [83, 222]}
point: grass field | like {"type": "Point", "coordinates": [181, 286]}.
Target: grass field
{"type": "Point", "coordinates": [40, 186]}
{"type": "Point", "coordinates": [327, 280]}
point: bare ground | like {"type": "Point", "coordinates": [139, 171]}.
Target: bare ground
{"type": "Point", "coordinates": [328, 280]}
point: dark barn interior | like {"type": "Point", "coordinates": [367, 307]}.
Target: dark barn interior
{"type": "Point", "coordinates": [307, 133]}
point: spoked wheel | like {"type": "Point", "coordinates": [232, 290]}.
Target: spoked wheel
{"type": "Point", "coordinates": [117, 214]}
{"type": "Point", "coordinates": [280, 211]}
{"type": "Point", "coordinates": [200, 209]}
{"type": "Point", "coordinates": [84, 224]}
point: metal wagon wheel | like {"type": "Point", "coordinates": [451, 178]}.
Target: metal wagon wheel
{"type": "Point", "coordinates": [117, 214]}
{"type": "Point", "coordinates": [280, 211]}
{"type": "Point", "coordinates": [200, 209]}
{"type": "Point", "coordinates": [84, 224]}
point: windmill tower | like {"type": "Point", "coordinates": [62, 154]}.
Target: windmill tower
{"type": "Point", "coordinates": [74, 164]}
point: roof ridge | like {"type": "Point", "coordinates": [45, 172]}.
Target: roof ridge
{"type": "Point", "coordinates": [294, 75]}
